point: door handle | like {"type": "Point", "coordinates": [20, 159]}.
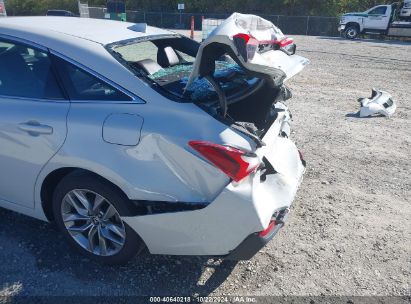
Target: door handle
{"type": "Point", "coordinates": [35, 128]}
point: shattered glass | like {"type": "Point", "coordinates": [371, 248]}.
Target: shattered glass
{"type": "Point", "coordinates": [230, 76]}
{"type": "Point", "coordinates": [181, 69]}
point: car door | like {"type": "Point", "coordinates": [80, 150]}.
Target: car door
{"type": "Point", "coordinates": [33, 115]}
{"type": "Point", "coordinates": [377, 19]}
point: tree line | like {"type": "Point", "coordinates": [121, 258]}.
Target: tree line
{"type": "Point", "coordinates": [272, 7]}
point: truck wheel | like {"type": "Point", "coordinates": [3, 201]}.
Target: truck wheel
{"type": "Point", "coordinates": [351, 32]}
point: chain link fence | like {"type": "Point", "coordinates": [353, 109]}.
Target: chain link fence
{"type": "Point", "coordinates": [290, 25]}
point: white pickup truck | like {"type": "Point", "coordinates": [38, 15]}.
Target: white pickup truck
{"type": "Point", "coordinates": [390, 20]}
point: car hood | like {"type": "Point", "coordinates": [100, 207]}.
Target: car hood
{"type": "Point", "coordinates": [239, 35]}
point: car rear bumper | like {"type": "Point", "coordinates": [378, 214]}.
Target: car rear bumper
{"type": "Point", "coordinates": [237, 213]}
{"type": "Point", "coordinates": [256, 241]}
{"type": "Point", "coordinates": [341, 27]}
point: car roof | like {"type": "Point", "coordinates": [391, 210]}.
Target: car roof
{"type": "Point", "coordinates": [97, 30]}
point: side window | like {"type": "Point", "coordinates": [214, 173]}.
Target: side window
{"type": "Point", "coordinates": [26, 72]}
{"type": "Point", "coordinates": [81, 85]}
{"type": "Point", "coordinates": [381, 10]}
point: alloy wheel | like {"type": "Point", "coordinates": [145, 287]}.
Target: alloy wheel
{"type": "Point", "coordinates": [93, 222]}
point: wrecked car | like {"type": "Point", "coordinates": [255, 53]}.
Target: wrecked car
{"type": "Point", "coordinates": [130, 137]}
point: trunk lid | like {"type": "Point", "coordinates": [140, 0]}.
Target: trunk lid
{"type": "Point", "coordinates": [255, 44]}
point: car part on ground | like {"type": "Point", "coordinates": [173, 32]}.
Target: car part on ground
{"type": "Point", "coordinates": [380, 103]}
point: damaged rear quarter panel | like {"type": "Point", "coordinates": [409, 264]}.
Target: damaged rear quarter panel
{"type": "Point", "coordinates": [161, 167]}
{"type": "Point", "coordinates": [251, 203]}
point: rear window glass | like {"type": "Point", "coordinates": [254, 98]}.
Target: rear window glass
{"type": "Point", "coordinates": [138, 51]}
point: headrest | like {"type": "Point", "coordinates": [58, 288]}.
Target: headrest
{"type": "Point", "coordinates": [167, 57]}
{"type": "Point", "coordinates": [149, 66]}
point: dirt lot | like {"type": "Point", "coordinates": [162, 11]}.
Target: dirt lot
{"type": "Point", "coordinates": [349, 232]}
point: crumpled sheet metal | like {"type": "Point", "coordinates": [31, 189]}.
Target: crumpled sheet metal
{"type": "Point", "coordinates": [274, 63]}
{"type": "Point", "coordinates": [261, 29]}
{"type": "Point", "coordinates": [380, 102]}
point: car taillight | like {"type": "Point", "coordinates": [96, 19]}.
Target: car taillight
{"type": "Point", "coordinates": [286, 41]}
{"type": "Point", "coordinates": [247, 45]}
{"type": "Point", "coordinates": [236, 163]}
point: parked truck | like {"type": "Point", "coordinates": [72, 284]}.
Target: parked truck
{"type": "Point", "coordinates": [390, 20]}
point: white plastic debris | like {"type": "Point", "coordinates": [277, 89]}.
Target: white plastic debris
{"type": "Point", "coordinates": [380, 102]}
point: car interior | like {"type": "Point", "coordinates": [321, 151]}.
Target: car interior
{"type": "Point", "coordinates": [167, 64]}
{"type": "Point", "coordinates": [166, 57]}
{"type": "Point", "coordinates": [31, 77]}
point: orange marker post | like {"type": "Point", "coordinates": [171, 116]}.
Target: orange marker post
{"type": "Point", "coordinates": [192, 28]}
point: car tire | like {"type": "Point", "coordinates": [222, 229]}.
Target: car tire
{"type": "Point", "coordinates": [351, 32]}
{"type": "Point", "coordinates": [107, 239]}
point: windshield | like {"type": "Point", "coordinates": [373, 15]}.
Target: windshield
{"type": "Point", "coordinates": [167, 62]}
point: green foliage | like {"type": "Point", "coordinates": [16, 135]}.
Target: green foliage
{"type": "Point", "coordinates": [38, 7]}
{"type": "Point", "coordinates": [267, 7]}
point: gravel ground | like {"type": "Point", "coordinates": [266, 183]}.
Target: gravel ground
{"type": "Point", "coordinates": [349, 231]}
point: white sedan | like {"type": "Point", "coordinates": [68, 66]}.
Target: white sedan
{"type": "Point", "coordinates": [128, 136]}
